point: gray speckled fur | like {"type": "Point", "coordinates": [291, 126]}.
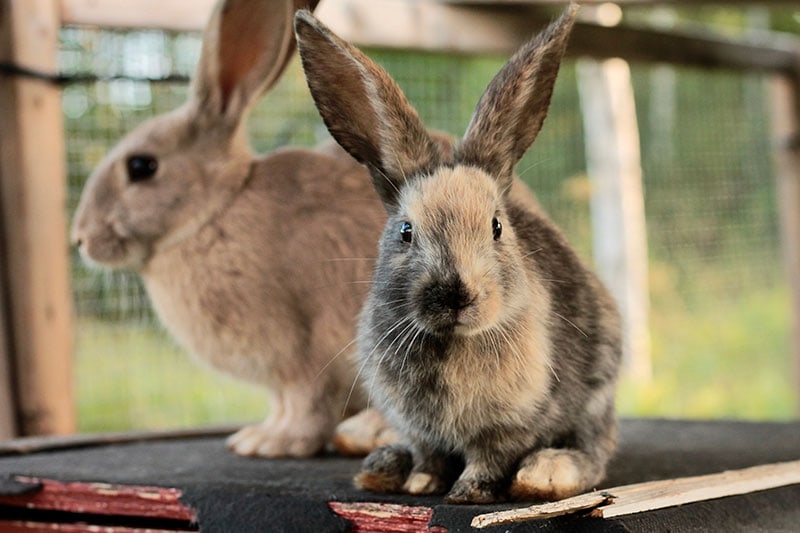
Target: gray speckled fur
{"type": "Point", "coordinates": [494, 356]}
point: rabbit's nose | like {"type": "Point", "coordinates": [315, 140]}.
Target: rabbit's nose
{"type": "Point", "coordinates": [448, 295]}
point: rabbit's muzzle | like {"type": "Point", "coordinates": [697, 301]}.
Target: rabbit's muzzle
{"type": "Point", "coordinates": [444, 302]}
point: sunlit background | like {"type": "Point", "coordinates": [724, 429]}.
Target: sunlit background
{"type": "Point", "coordinates": [720, 308]}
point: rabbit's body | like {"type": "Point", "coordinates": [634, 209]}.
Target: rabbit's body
{"type": "Point", "coordinates": [257, 266]}
{"type": "Point", "coordinates": [484, 339]}
{"type": "Point", "coordinates": [313, 276]}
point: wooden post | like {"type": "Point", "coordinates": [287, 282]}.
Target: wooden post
{"type": "Point", "coordinates": [785, 99]}
{"type": "Point", "coordinates": [8, 424]}
{"type": "Point", "coordinates": [618, 225]}
{"type": "Point", "coordinates": [33, 199]}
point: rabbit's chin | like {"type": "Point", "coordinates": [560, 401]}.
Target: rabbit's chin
{"type": "Point", "coordinates": [117, 255]}
{"type": "Point", "coordinates": [466, 323]}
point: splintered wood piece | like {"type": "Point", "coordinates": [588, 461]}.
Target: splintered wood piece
{"type": "Point", "coordinates": [392, 517]}
{"type": "Point", "coordinates": [648, 496]}
{"type": "Point", "coordinates": [590, 500]}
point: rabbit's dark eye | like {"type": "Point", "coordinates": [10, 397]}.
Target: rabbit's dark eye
{"type": "Point", "coordinates": [406, 232]}
{"type": "Point", "coordinates": [497, 228]}
{"type": "Point", "coordinates": [141, 167]}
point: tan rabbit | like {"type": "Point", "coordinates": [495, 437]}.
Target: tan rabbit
{"type": "Point", "coordinates": [485, 340]}
{"type": "Point", "coordinates": [258, 267]}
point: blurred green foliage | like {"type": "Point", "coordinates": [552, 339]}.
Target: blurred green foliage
{"type": "Point", "coordinates": [720, 304]}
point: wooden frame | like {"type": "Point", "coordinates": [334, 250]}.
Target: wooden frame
{"type": "Point", "coordinates": [38, 325]}
{"type": "Point", "coordinates": [35, 306]}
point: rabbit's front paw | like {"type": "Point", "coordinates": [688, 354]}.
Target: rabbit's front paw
{"type": "Point", "coordinates": [424, 483]}
{"type": "Point", "coordinates": [385, 470]}
{"type": "Point", "coordinates": [273, 440]}
{"type": "Point", "coordinates": [473, 491]}
{"type": "Point", "coordinates": [362, 433]}
{"type": "Point", "coordinates": [549, 474]}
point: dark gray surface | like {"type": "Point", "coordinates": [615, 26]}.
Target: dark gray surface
{"type": "Point", "coordinates": [239, 494]}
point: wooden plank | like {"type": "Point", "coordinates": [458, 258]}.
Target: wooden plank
{"type": "Point", "coordinates": [102, 499]}
{"type": "Point", "coordinates": [437, 25]}
{"type": "Point", "coordinates": [49, 527]}
{"type": "Point", "coordinates": [8, 423]}
{"type": "Point", "coordinates": [160, 14]}
{"type": "Point", "coordinates": [785, 118]}
{"type": "Point", "coordinates": [71, 442]}
{"type": "Point", "coordinates": [388, 517]}
{"type": "Point", "coordinates": [648, 496]}
{"type": "Point", "coordinates": [614, 166]}
{"type": "Point", "coordinates": [33, 196]}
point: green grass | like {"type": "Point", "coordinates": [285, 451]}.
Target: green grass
{"type": "Point", "coordinates": [715, 359]}
{"type": "Point", "coordinates": [718, 359]}
{"type": "Point", "coordinates": [131, 376]}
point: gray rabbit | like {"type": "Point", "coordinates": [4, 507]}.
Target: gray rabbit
{"type": "Point", "coordinates": [484, 339]}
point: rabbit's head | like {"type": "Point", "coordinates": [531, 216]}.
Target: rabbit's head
{"type": "Point", "coordinates": [450, 256]}
{"type": "Point", "coordinates": [170, 175]}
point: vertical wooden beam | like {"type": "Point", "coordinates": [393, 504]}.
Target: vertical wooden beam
{"type": "Point", "coordinates": [33, 197]}
{"type": "Point", "coordinates": [8, 423]}
{"type": "Point", "coordinates": [618, 224]}
{"type": "Point", "coordinates": [785, 100]}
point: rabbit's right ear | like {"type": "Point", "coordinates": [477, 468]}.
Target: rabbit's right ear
{"type": "Point", "coordinates": [364, 109]}
{"type": "Point", "coordinates": [246, 46]}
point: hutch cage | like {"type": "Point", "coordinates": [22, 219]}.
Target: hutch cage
{"type": "Point", "coordinates": [716, 119]}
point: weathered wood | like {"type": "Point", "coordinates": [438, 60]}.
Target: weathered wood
{"type": "Point", "coordinates": [33, 185]}
{"type": "Point", "coordinates": [101, 499]}
{"type": "Point", "coordinates": [502, 28]}
{"type": "Point", "coordinates": [648, 496]}
{"type": "Point", "coordinates": [438, 25]}
{"type": "Point", "coordinates": [159, 14]}
{"type": "Point", "coordinates": [40, 527]}
{"type": "Point", "coordinates": [70, 442]}
{"type": "Point", "coordinates": [785, 101]}
{"type": "Point", "coordinates": [614, 166]}
{"type": "Point", "coordinates": [392, 517]}
{"type": "Point", "coordinates": [8, 424]}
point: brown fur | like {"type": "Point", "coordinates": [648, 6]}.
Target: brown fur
{"type": "Point", "coordinates": [256, 266]}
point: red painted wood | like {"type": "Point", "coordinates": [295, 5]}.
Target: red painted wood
{"type": "Point", "coordinates": [385, 517]}
{"type": "Point", "coordinates": [42, 527]}
{"type": "Point", "coordinates": [101, 498]}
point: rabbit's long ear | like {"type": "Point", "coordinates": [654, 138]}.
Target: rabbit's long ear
{"type": "Point", "coordinates": [246, 46]}
{"type": "Point", "coordinates": [510, 113]}
{"type": "Point", "coordinates": [364, 109]}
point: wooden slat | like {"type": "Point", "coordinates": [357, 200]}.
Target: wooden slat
{"type": "Point", "coordinates": [162, 14]}
{"type": "Point", "coordinates": [49, 527]}
{"type": "Point", "coordinates": [648, 496]}
{"type": "Point", "coordinates": [8, 424]}
{"type": "Point", "coordinates": [614, 165]}
{"type": "Point", "coordinates": [102, 499]}
{"type": "Point", "coordinates": [785, 102]}
{"type": "Point", "coordinates": [389, 517]}
{"type": "Point", "coordinates": [439, 25]}
{"type": "Point", "coordinates": [33, 196]}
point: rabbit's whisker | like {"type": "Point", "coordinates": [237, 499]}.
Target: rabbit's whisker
{"type": "Point", "coordinates": [533, 165]}
{"type": "Point", "coordinates": [568, 321]}
{"type": "Point", "coordinates": [409, 323]}
{"type": "Point", "coordinates": [364, 364]}
{"type": "Point", "coordinates": [332, 359]}
{"type": "Point", "coordinates": [536, 251]}
{"type": "Point", "coordinates": [388, 179]}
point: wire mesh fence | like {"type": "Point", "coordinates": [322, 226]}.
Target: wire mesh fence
{"type": "Point", "coordinates": [720, 304]}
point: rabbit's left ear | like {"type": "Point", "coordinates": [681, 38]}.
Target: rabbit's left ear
{"type": "Point", "coordinates": [511, 111]}
{"type": "Point", "coordinates": [364, 109]}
